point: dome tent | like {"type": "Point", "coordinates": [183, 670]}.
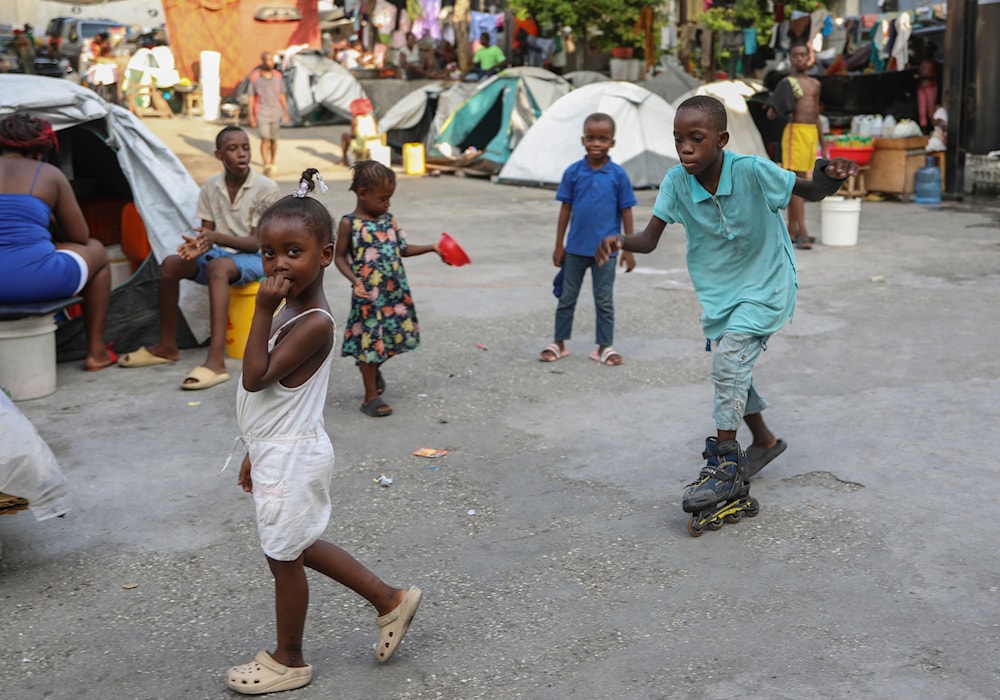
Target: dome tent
{"type": "Point", "coordinates": [644, 142]}
{"type": "Point", "coordinates": [495, 118]}
{"type": "Point", "coordinates": [422, 112]}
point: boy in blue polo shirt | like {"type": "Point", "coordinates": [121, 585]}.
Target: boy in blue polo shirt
{"type": "Point", "coordinates": [597, 201]}
{"type": "Point", "coordinates": [740, 259]}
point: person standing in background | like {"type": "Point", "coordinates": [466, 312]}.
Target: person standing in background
{"type": "Point", "coordinates": [268, 107]}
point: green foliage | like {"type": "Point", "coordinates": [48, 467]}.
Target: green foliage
{"type": "Point", "coordinates": [614, 18]}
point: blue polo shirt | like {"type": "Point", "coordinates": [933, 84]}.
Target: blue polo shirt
{"type": "Point", "coordinates": [739, 254]}
{"type": "Point", "coordinates": [597, 197]}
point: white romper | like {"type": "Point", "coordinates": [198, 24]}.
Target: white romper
{"type": "Point", "coordinates": [291, 457]}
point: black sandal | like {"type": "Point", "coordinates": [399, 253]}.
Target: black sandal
{"type": "Point", "coordinates": [372, 408]}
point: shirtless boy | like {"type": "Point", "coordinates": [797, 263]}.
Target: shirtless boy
{"type": "Point", "coordinates": [796, 98]}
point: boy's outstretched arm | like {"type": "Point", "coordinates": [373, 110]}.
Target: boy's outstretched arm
{"type": "Point", "coordinates": [827, 178]}
{"type": "Point", "coordinates": [644, 242]}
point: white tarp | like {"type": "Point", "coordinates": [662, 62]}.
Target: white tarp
{"type": "Point", "coordinates": [165, 194]}
{"type": "Point", "coordinates": [744, 137]}
{"type": "Point", "coordinates": [28, 469]}
{"type": "Point", "coordinates": [644, 142]}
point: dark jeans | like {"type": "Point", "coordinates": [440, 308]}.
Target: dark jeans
{"type": "Point", "coordinates": [603, 279]}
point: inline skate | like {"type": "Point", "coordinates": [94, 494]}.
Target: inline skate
{"type": "Point", "coordinates": [721, 493]}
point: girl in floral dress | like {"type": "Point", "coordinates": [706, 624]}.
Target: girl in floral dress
{"type": "Point", "coordinates": [369, 252]}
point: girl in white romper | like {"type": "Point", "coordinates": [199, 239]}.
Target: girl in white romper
{"type": "Point", "coordinates": [289, 462]}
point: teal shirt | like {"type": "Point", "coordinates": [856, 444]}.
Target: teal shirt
{"type": "Point", "coordinates": [739, 254]}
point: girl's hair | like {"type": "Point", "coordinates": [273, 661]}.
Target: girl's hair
{"type": "Point", "coordinates": [313, 215]}
{"type": "Point", "coordinates": [369, 173]}
{"type": "Point", "coordinates": [25, 134]}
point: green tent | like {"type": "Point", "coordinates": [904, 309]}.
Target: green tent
{"type": "Point", "coordinates": [487, 127]}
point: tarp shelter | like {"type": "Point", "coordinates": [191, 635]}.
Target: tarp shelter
{"type": "Point", "coordinates": [110, 157]}
{"type": "Point", "coordinates": [421, 113]}
{"type": "Point", "coordinates": [744, 137]}
{"type": "Point", "coordinates": [319, 90]}
{"type": "Point", "coordinates": [495, 118]}
{"type": "Point", "coordinates": [644, 141]}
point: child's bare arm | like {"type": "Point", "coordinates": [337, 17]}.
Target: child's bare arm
{"type": "Point", "coordinates": [644, 242]}
{"type": "Point", "coordinates": [419, 249]}
{"type": "Point", "coordinates": [244, 480]}
{"type": "Point", "coordinates": [627, 259]}
{"type": "Point", "coordinates": [307, 337]}
{"type": "Point", "coordinates": [342, 251]}
{"type": "Point", "coordinates": [559, 253]}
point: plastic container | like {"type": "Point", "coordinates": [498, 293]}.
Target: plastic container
{"type": "Point", "coordinates": [451, 251]}
{"type": "Point", "coordinates": [840, 217]}
{"type": "Point", "coordinates": [380, 153]}
{"type": "Point", "coordinates": [241, 305]}
{"type": "Point", "coordinates": [28, 356]}
{"type": "Point", "coordinates": [618, 68]}
{"type": "Point", "coordinates": [413, 159]}
{"type": "Point", "coordinates": [861, 156]}
{"type": "Point", "coordinates": [927, 184]}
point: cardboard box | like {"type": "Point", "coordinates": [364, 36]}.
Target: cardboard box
{"type": "Point", "coordinates": [902, 144]}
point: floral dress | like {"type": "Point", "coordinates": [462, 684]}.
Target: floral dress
{"type": "Point", "coordinates": [385, 323]}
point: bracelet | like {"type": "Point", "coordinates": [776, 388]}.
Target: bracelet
{"type": "Point", "coordinates": [621, 242]}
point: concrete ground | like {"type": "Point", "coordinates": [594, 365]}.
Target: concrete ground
{"type": "Point", "coordinates": [550, 541]}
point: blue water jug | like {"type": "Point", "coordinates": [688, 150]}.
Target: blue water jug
{"type": "Point", "coordinates": [928, 184]}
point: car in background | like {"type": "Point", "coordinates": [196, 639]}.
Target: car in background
{"type": "Point", "coordinates": [69, 36]}
{"type": "Point", "coordinates": [44, 64]}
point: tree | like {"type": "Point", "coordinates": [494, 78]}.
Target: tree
{"type": "Point", "coordinates": [613, 19]}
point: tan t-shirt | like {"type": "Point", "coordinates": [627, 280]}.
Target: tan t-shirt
{"type": "Point", "coordinates": [239, 217]}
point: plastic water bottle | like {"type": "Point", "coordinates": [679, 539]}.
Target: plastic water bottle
{"type": "Point", "coordinates": [877, 125]}
{"type": "Point", "coordinates": [888, 125]}
{"type": "Point", "coordinates": [928, 184]}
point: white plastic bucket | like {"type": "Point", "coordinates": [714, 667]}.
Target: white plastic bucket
{"type": "Point", "coordinates": [28, 356]}
{"type": "Point", "coordinates": [618, 68]}
{"type": "Point", "coordinates": [635, 66]}
{"type": "Point", "coordinates": [841, 217]}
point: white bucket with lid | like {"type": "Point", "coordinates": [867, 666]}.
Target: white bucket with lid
{"type": "Point", "coordinates": [841, 217]}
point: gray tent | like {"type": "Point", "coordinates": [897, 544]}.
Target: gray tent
{"type": "Point", "coordinates": [579, 78]}
{"type": "Point", "coordinates": [421, 113]}
{"type": "Point", "coordinates": [671, 83]}
{"type": "Point", "coordinates": [105, 150]}
{"type": "Point", "coordinates": [319, 89]}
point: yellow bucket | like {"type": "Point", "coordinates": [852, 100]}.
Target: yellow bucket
{"type": "Point", "coordinates": [241, 305]}
{"type": "Point", "coordinates": [413, 158]}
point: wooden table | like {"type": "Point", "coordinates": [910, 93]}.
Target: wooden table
{"type": "Point", "coordinates": [894, 164]}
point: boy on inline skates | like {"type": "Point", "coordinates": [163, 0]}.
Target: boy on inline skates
{"type": "Point", "coordinates": [742, 265]}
